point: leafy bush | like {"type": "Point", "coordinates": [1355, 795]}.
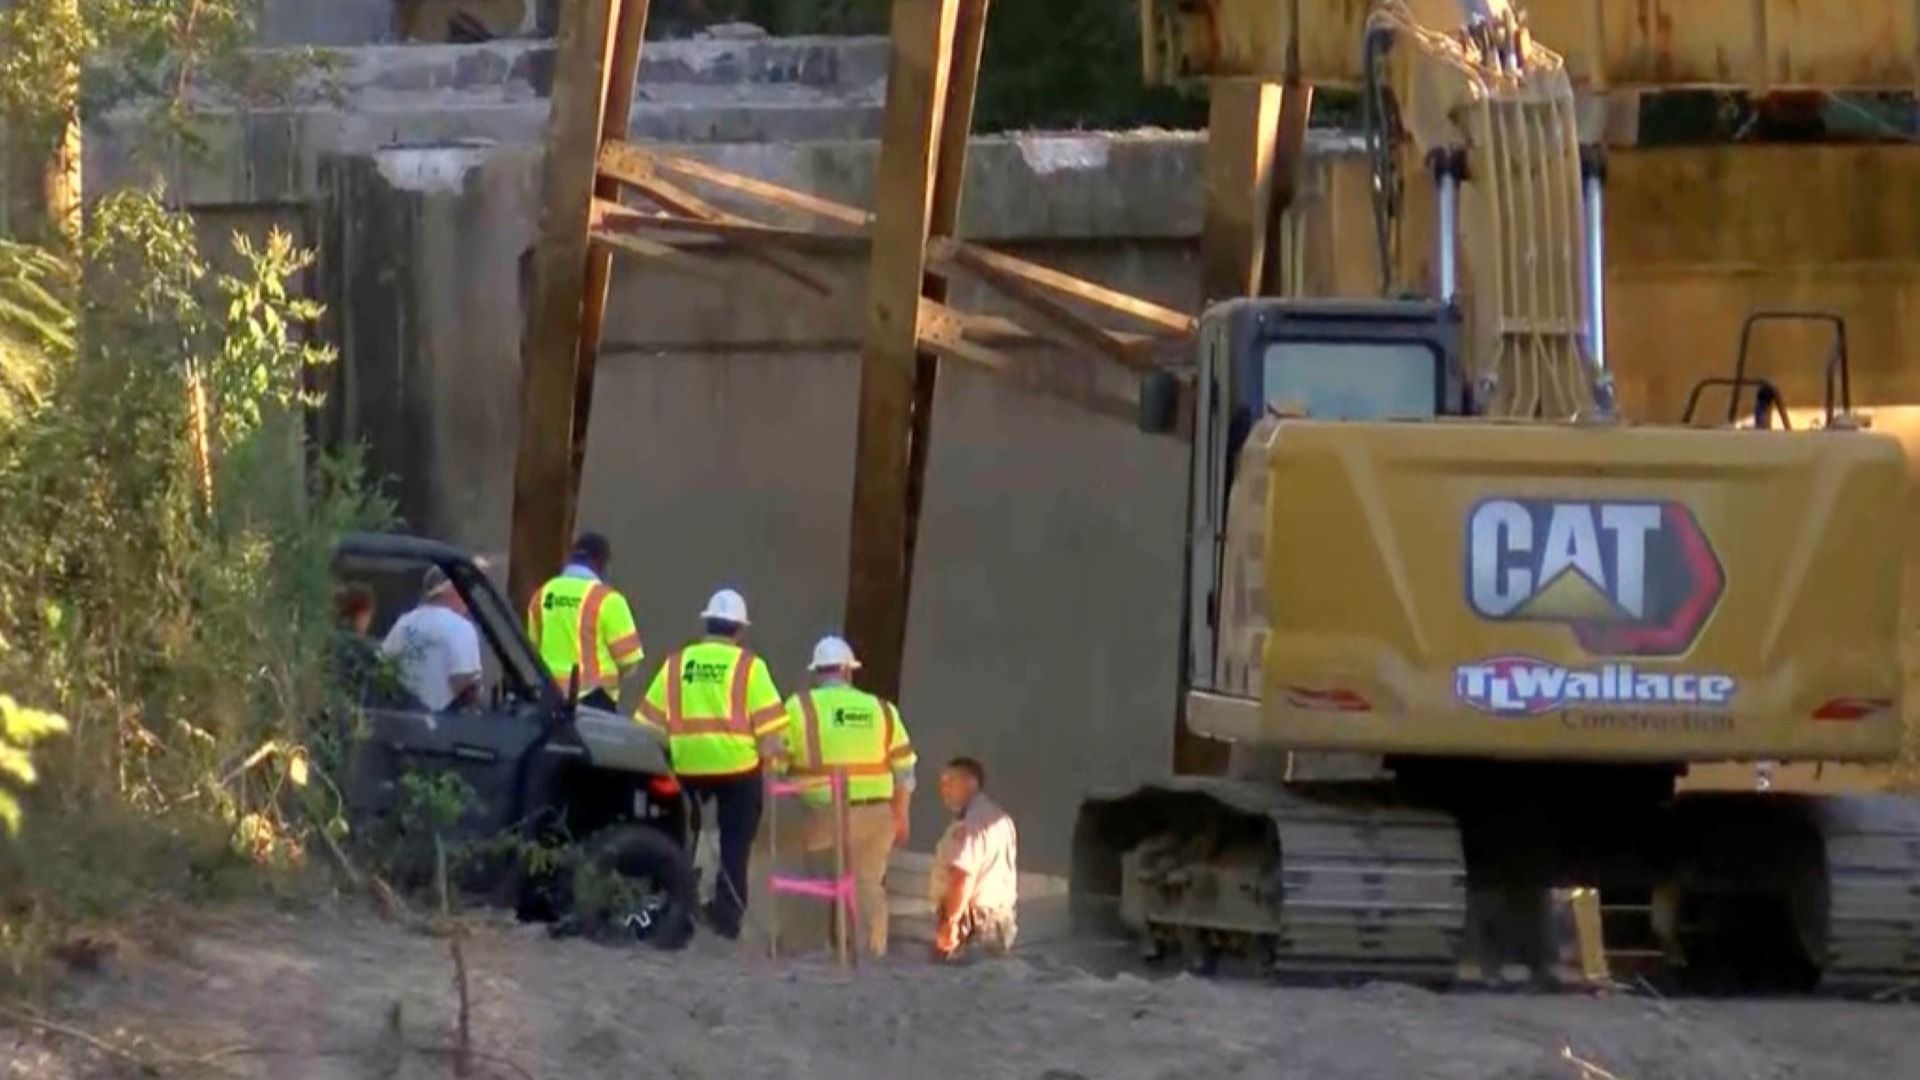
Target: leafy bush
{"type": "Point", "coordinates": [20, 729]}
{"type": "Point", "coordinates": [166, 583]}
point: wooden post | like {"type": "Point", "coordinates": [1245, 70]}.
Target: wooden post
{"type": "Point", "coordinates": [1243, 119]}
{"type": "Point", "coordinates": [879, 565]}
{"type": "Point", "coordinates": [543, 481]}
{"type": "Point", "coordinates": [950, 172]}
{"type": "Point", "coordinates": [623, 69]}
{"type": "Point", "coordinates": [1289, 163]}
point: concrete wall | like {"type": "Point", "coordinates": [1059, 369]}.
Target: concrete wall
{"type": "Point", "coordinates": [325, 22]}
{"type": "Point", "coordinates": [419, 266]}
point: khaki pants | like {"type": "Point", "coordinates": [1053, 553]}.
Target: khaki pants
{"type": "Point", "coordinates": [807, 923]}
{"type": "Point", "coordinates": [993, 932]}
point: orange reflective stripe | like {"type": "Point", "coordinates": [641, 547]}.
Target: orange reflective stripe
{"type": "Point", "coordinates": [767, 718]}
{"type": "Point", "coordinates": [624, 647]}
{"type": "Point", "coordinates": [704, 727]}
{"type": "Point", "coordinates": [652, 714]}
{"type": "Point", "coordinates": [868, 769]}
{"type": "Point", "coordinates": [737, 698]}
{"type": "Point", "coordinates": [812, 714]}
{"type": "Point", "coordinates": [534, 616]}
{"type": "Point", "coordinates": [587, 637]}
{"type": "Point", "coordinates": [901, 750]}
{"type": "Point", "coordinates": [676, 715]}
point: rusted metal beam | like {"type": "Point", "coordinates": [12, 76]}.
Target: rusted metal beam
{"type": "Point", "coordinates": [641, 169]}
{"type": "Point", "coordinates": [1137, 354]}
{"type": "Point", "coordinates": [616, 218]}
{"type": "Point", "coordinates": [1757, 45]}
{"type": "Point", "coordinates": [948, 334]}
{"type": "Point", "coordinates": [763, 190]}
{"type": "Point", "coordinates": [543, 479]}
{"type": "Point", "coordinates": [945, 254]}
{"type": "Point", "coordinates": [666, 253]}
{"type": "Point", "coordinates": [633, 167]}
{"type": "Point", "coordinates": [880, 563]}
{"type": "Point", "coordinates": [999, 330]}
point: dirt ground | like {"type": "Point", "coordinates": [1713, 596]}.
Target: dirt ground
{"type": "Point", "coordinates": [341, 994]}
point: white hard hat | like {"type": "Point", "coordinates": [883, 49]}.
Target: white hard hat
{"type": "Point", "coordinates": [832, 652]}
{"type": "Point", "coordinates": [727, 606]}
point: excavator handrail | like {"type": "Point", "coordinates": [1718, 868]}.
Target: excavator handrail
{"type": "Point", "coordinates": [1837, 361]}
{"type": "Point", "coordinates": [1765, 394]}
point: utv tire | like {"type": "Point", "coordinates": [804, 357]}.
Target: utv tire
{"type": "Point", "coordinates": [656, 868]}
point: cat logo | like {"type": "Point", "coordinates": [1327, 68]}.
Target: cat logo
{"type": "Point", "coordinates": [1629, 578]}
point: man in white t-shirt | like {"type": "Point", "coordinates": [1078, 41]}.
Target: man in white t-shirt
{"type": "Point", "coordinates": [974, 884]}
{"type": "Point", "coordinates": [436, 647]}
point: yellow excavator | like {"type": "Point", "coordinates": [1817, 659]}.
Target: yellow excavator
{"type": "Point", "coordinates": [1467, 628]}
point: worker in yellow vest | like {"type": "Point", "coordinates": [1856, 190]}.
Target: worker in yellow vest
{"type": "Point", "coordinates": [837, 727]}
{"type": "Point", "coordinates": [578, 622]}
{"type": "Point", "coordinates": [723, 720]}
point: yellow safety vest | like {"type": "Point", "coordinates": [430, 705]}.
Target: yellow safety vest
{"type": "Point", "coordinates": [840, 727]}
{"type": "Point", "coordinates": [579, 621]}
{"type": "Point", "coordinates": [715, 701]}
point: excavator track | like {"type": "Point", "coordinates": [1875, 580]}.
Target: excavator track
{"type": "Point", "coordinates": [1344, 882]}
{"type": "Point", "coordinates": [1871, 846]}
{"type": "Point", "coordinates": [1379, 890]}
{"type": "Point", "coordinates": [1310, 884]}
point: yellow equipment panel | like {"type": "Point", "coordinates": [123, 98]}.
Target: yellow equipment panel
{"type": "Point", "coordinates": [1629, 44]}
{"type": "Point", "coordinates": [1590, 592]}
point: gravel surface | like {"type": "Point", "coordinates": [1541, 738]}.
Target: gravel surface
{"type": "Point", "coordinates": [339, 994]}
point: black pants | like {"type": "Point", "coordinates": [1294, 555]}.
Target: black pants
{"type": "Point", "coordinates": [737, 803]}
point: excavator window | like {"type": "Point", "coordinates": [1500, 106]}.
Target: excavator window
{"type": "Point", "coordinates": [1336, 379]}
{"type": "Point", "coordinates": [1353, 380]}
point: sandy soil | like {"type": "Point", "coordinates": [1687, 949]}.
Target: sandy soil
{"type": "Point", "coordinates": [314, 995]}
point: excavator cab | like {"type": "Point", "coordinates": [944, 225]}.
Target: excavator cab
{"type": "Point", "coordinates": [1327, 358]}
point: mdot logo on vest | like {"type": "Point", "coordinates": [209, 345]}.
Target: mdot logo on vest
{"type": "Point", "coordinates": [1631, 580]}
{"type": "Point", "coordinates": [852, 717]}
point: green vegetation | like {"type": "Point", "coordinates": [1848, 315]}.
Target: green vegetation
{"type": "Point", "coordinates": [20, 729]}
{"type": "Point", "coordinates": [164, 580]}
